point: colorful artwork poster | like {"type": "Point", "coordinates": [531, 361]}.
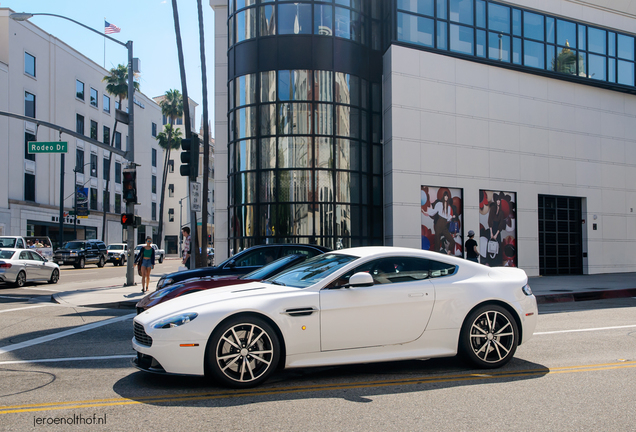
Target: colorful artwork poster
{"type": "Point", "coordinates": [442, 220]}
{"type": "Point", "coordinates": [498, 228]}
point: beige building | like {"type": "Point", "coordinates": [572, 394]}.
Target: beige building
{"type": "Point", "coordinates": [44, 78]}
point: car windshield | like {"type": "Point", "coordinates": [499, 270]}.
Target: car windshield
{"type": "Point", "coordinates": [139, 247]}
{"type": "Point", "coordinates": [74, 245]}
{"type": "Point", "coordinates": [312, 270]}
{"type": "Point", "coordinates": [116, 247]}
{"type": "Point", "coordinates": [5, 254]}
{"type": "Point", "coordinates": [273, 268]}
{"type": "Point", "coordinates": [7, 242]}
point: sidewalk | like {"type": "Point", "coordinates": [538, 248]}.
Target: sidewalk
{"type": "Point", "coordinates": [547, 289]}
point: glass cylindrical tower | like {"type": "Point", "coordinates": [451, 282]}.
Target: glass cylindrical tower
{"type": "Point", "coordinates": [305, 122]}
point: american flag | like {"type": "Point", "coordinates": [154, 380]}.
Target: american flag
{"type": "Point", "coordinates": [110, 28]}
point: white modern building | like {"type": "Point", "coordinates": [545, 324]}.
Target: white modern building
{"type": "Point", "coordinates": [409, 123]}
{"type": "Point", "coordinates": [44, 78]}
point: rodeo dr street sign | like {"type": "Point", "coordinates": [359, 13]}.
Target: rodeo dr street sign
{"type": "Point", "coordinates": [47, 147]}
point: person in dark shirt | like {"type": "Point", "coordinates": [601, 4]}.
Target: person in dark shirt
{"type": "Point", "coordinates": [472, 251]}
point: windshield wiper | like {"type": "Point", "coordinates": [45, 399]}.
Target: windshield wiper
{"type": "Point", "coordinates": [278, 283]}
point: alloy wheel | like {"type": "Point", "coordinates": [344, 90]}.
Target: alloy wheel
{"type": "Point", "coordinates": [492, 337]}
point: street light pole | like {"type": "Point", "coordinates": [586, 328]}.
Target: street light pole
{"type": "Point", "coordinates": [130, 154]}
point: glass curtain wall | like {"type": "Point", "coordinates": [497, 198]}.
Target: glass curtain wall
{"type": "Point", "coordinates": [507, 34]}
{"type": "Point", "coordinates": [304, 145]}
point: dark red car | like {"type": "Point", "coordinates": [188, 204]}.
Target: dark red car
{"type": "Point", "coordinates": [190, 286]}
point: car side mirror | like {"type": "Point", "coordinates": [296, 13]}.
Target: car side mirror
{"type": "Point", "coordinates": [360, 279]}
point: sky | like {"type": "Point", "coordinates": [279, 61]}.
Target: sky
{"type": "Point", "coordinates": [150, 25]}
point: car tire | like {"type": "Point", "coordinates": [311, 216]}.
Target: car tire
{"type": "Point", "coordinates": [55, 276]}
{"type": "Point", "coordinates": [489, 337]}
{"type": "Point", "coordinates": [82, 263]}
{"type": "Point", "coordinates": [160, 259]}
{"type": "Point", "coordinates": [242, 368]}
{"type": "Point", "coordinates": [20, 280]}
{"type": "Point", "coordinates": [101, 262]}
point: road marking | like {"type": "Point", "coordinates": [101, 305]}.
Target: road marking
{"type": "Point", "coordinates": [226, 394]}
{"type": "Point", "coordinates": [54, 336]}
{"type": "Point", "coordinates": [68, 359]}
{"type": "Point", "coordinates": [26, 307]}
{"type": "Point", "coordinates": [583, 330]}
{"type": "Point", "coordinates": [40, 289]}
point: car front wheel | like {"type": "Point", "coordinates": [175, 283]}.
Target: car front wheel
{"type": "Point", "coordinates": [55, 276]}
{"type": "Point", "coordinates": [489, 337]}
{"type": "Point", "coordinates": [81, 264]}
{"type": "Point", "coordinates": [243, 352]}
{"type": "Point", "coordinates": [160, 259]}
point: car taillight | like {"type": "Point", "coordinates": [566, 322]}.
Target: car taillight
{"type": "Point", "coordinates": [5, 265]}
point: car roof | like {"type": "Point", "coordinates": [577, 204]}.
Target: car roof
{"type": "Point", "coordinates": [380, 251]}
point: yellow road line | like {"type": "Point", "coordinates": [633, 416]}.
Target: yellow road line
{"type": "Point", "coordinates": [319, 387]}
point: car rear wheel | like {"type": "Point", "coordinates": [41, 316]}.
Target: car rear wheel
{"type": "Point", "coordinates": [55, 276]}
{"type": "Point", "coordinates": [243, 352]}
{"type": "Point", "coordinates": [20, 281]}
{"type": "Point", "coordinates": [489, 337]}
{"type": "Point", "coordinates": [101, 262]}
{"type": "Point", "coordinates": [160, 259]}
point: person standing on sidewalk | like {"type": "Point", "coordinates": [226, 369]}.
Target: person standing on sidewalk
{"type": "Point", "coordinates": [186, 246]}
{"type": "Point", "coordinates": [472, 251]}
{"type": "Point", "coordinates": [146, 260]}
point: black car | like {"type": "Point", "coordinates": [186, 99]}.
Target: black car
{"type": "Point", "coordinates": [245, 262]}
{"type": "Point", "coordinates": [81, 252]}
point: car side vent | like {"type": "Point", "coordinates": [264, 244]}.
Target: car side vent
{"type": "Point", "coordinates": [248, 289]}
{"type": "Point", "coordinates": [300, 311]}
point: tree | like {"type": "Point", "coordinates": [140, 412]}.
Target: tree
{"type": "Point", "coordinates": [206, 135]}
{"type": "Point", "coordinates": [117, 86]}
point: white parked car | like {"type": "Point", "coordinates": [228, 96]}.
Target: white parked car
{"type": "Point", "coordinates": [19, 266]}
{"type": "Point", "coordinates": [359, 305]}
{"type": "Point", "coordinates": [117, 253]}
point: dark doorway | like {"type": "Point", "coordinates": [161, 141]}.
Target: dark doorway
{"type": "Point", "coordinates": [560, 235]}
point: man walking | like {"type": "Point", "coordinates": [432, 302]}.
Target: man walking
{"type": "Point", "coordinates": [186, 246]}
{"type": "Point", "coordinates": [472, 251]}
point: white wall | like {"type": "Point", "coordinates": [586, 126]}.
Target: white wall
{"type": "Point", "coordinates": [456, 123]}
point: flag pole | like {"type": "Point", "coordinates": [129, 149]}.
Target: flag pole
{"type": "Point", "coordinates": [104, 45]}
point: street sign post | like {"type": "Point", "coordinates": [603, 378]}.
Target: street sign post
{"type": "Point", "coordinates": [195, 196]}
{"type": "Point", "coordinates": [47, 147]}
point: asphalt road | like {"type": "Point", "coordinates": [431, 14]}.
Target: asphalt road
{"type": "Point", "coordinates": [577, 373]}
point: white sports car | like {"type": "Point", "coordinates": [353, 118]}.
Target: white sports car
{"type": "Point", "coordinates": [358, 305]}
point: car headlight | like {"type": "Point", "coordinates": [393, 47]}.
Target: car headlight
{"type": "Point", "coordinates": [176, 321]}
{"type": "Point", "coordinates": [162, 282]}
{"type": "Point", "coordinates": [526, 290]}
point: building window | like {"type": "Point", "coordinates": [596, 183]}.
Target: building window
{"type": "Point", "coordinates": [79, 124]}
{"type": "Point", "coordinates": [165, 120]}
{"type": "Point", "coordinates": [107, 201]}
{"type": "Point", "coordinates": [106, 169]}
{"type": "Point", "coordinates": [154, 158]}
{"type": "Point", "coordinates": [170, 190]}
{"type": "Point", "coordinates": [179, 121]}
{"type": "Point", "coordinates": [28, 137]}
{"type": "Point", "coordinates": [154, 211]}
{"type": "Point", "coordinates": [93, 165]}
{"type": "Point", "coordinates": [154, 184]}
{"type": "Point", "coordinates": [94, 130]}
{"type": "Point", "coordinates": [29, 64]}
{"type": "Point", "coordinates": [117, 173]}
{"type": "Point", "coordinates": [93, 199]}
{"type": "Point", "coordinates": [118, 140]}
{"type": "Point", "coordinates": [79, 161]}
{"type": "Point", "coordinates": [79, 89]}
{"type": "Point", "coordinates": [94, 97]}
{"type": "Point", "coordinates": [29, 104]}
{"type": "Point", "coordinates": [106, 103]}
{"type": "Point", "coordinates": [106, 135]}
{"type": "Point", "coordinates": [154, 129]}
{"type": "Point", "coordinates": [171, 215]}
{"type": "Point", "coordinates": [117, 203]}
{"type": "Point", "coordinates": [171, 166]}
{"type": "Point", "coordinates": [29, 187]}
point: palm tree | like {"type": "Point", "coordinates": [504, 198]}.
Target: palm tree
{"type": "Point", "coordinates": [169, 139]}
{"type": "Point", "coordinates": [206, 134]}
{"type": "Point", "coordinates": [118, 87]}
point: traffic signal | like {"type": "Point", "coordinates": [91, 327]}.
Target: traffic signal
{"type": "Point", "coordinates": [130, 185]}
{"type": "Point", "coordinates": [190, 157]}
{"type": "Point", "coordinates": [127, 219]}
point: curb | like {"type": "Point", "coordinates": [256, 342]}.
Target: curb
{"type": "Point", "coordinates": [586, 296]}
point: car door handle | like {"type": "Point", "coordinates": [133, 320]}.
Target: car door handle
{"type": "Point", "coordinates": [416, 295]}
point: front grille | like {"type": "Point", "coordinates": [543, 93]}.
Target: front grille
{"type": "Point", "coordinates": [141, 336]}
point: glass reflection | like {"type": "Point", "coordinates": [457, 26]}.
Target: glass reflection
{"type": "Point", "coordinates": [294, 185]}
{"type": "Point", "coordinates": [245, 122]}
{"type": "Point", "coordinates": [597, 40]}
{"type": "Point", "coordinates": [566, 33]}
{"type": "Point", "coordinates": [245, 25]}
{"type": "Point", "coordinates": [324, 153]}
{"type": "Point", "coordinates": [245, 188]}
{"type": "Point", "coordinates": [343, 23]}
{"type": "Point", "coordinates": [423, 7]}
{"type": "Point", "coordinates": [294, 152]}
{"type": "Point", "coordinates": [324, 186]}
{"type": "Point", "coordinates": [267, 189]}
{"type": "Point", "coordinates": [498, 18]}
{"type": "Point", "coordinates": [323, 20]}
{"type": "Point", "coordinates": [348, 187]}
{"type": "Point", "coordinates": [268, 119]}
{"type": "Point", "coordinates": [532, 25]}
{"type": "Point", "coordinates": [533, 54]}
{"type": "Point", "coordinates": [294, 85]}
{"type": "Point", "coordinates": [461, 39]}
{"type": "Point", "coordinates": [323, 118]}
{"type": "Point", "coordinates": [343, 221]}
{"type": "Point", "coordinates": [294, 18]}
{"type": "Point", "coordinates": [267, 21]}
{"type": "Point", "coordinates": [294, 118]}
{"type": "Point", "coordinates": [245, 90]}
{"type": "Point", "coordinates": [414, 29]}
{"type": "Point", "coordinates": [323, 86]}
{"type": "Point", "coordinates": [268, 153]}
{"type": "Point", "coordinates": [347, 154]}
{"type": "Point", "coordinates": [597, 68]}
{"type": "Point", "coordinates": [246, 155]}
{"type": "Point", "coordinates": [293, 220]}
{"type": "Point", "coordinates": [268, 86]}
{"type": "Point", "coordinates": [461, 11]}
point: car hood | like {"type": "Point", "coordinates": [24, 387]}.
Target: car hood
{"type": "Point", "coordinates": [177, 289]}
{"type": "Point", "coordinates": [199, 300]}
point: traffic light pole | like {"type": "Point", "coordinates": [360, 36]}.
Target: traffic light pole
{"type": "Point", "coordinates": [130, 155]}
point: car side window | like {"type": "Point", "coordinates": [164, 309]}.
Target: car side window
{"type": "Point", "coordinates": [307, 252]}
{"type": "Point", "coordinates": [390, 271]}
{"type": "Point", "coordinates": [258, 257]}
{"type": "Point", "coordinates": [440, 269]}
{"type": "Point", "coordinates": [24, 255]}
{"type": "Point", "coordinates": [35, 256]}
{"type": "Point", "coordinates": [19, 244]}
